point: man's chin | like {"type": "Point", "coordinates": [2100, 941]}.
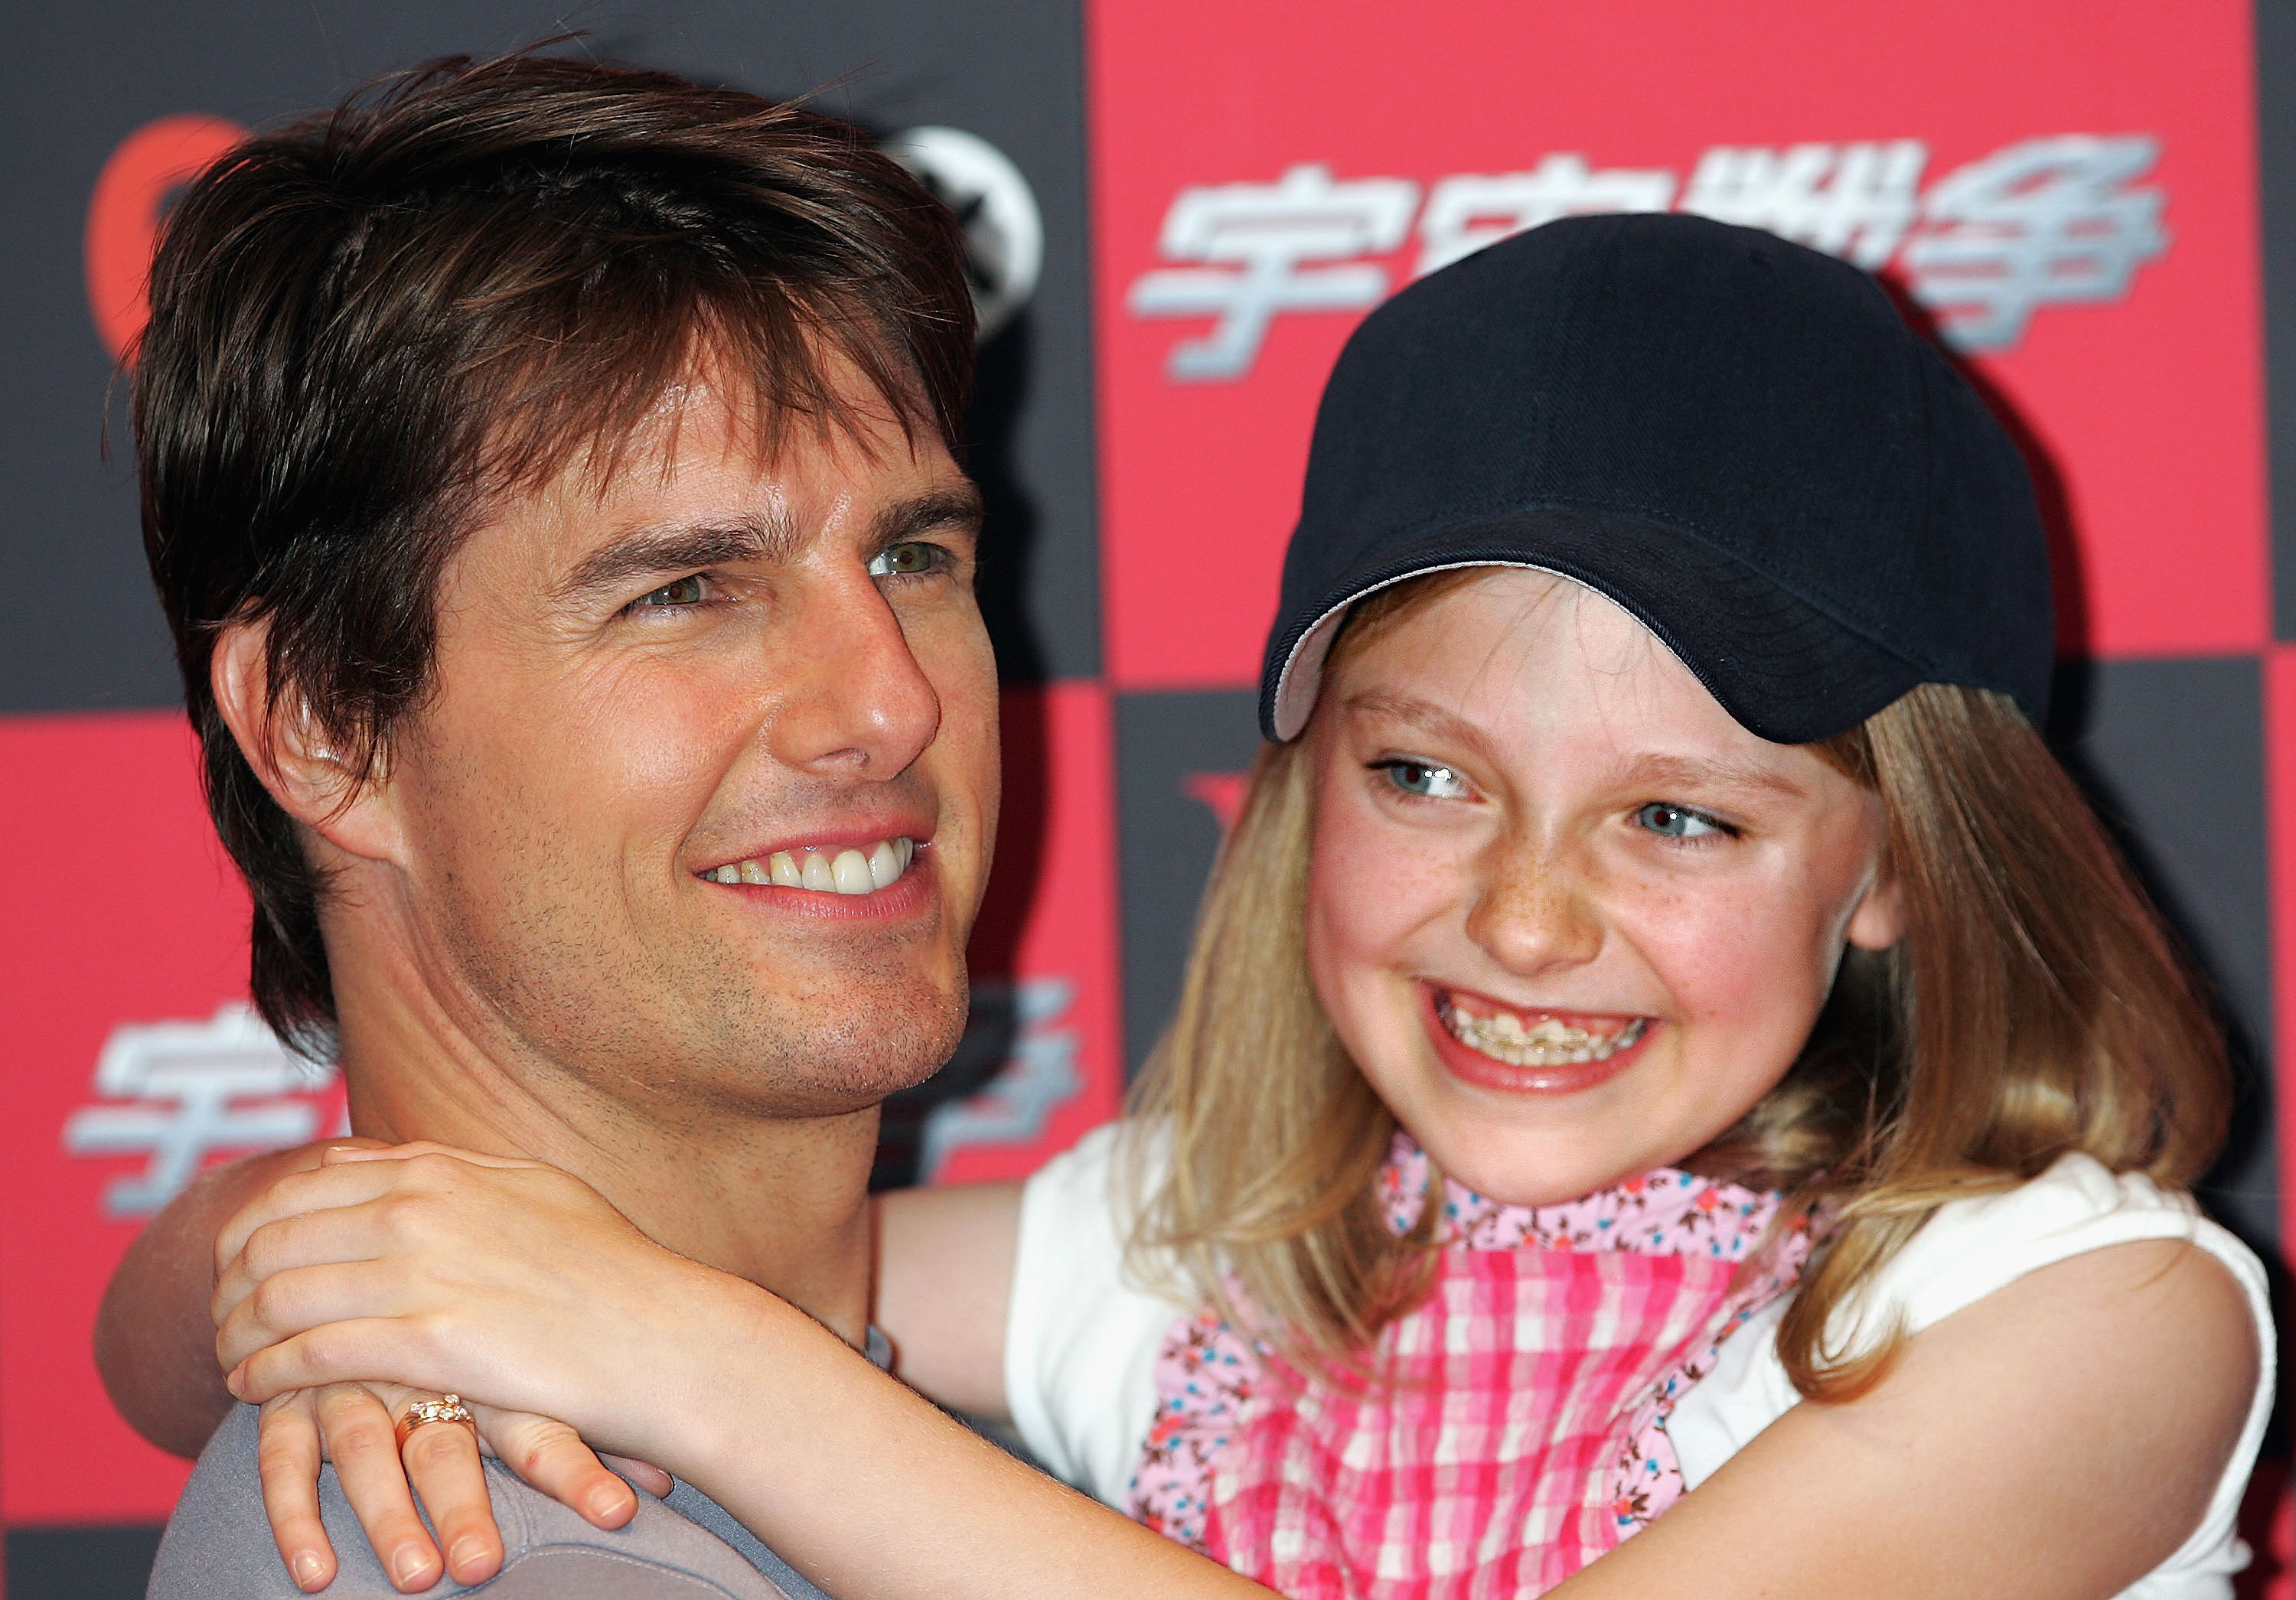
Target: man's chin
{"type": "Point", "coordinates": [826, 1065]}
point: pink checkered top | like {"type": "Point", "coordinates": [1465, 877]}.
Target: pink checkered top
{"type": "Point", "coordinates": [1521, 1431]}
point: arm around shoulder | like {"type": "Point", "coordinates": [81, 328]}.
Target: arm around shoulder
{"type": "Point", "coordinates": [154, 1335]}
{"type": "Point", "coordinates": [945, 1260]}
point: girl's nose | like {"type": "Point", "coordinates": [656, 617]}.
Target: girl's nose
{"type": "Point", "coordinates": [1537, 912]}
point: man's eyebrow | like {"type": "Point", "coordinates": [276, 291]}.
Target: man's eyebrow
{"type": "Point", "coordinates": [679, 548]}
{"type": "Point", "coordinates": [957, 505]}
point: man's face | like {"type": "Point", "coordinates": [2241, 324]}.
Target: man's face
{"type": "Point", "coordinates": [714, 661]}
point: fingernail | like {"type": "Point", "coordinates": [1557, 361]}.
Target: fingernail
{"type": "Point", "coordinates": [609, 1502]}
{"type": "Point", "coordinates": [236, 1382]}
{"type": "Point", "coordinates": [309, 1570]}
{"type": "Point", "coordinates": [410, 1566]}
{"type": "Point", "coordinates": [465, 1552]}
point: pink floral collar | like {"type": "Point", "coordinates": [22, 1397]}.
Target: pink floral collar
{"type": "Point", "coordinates": [1665, 1212]}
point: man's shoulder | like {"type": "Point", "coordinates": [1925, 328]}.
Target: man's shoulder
{"type": "Point", "coordinates": [218, 1546]}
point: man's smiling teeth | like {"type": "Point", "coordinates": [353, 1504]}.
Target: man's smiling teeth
{"type": "Point", "coordinates": [1545, 1043]}
{"type": "Point", "coordinates": [851, 870]}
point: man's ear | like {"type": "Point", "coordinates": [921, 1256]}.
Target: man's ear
{"type": "Point", "coordinates": [288, 751]}
{"type": "Point", "coordinates": [1879, 920]}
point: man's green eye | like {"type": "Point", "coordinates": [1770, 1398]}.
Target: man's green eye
{"type": "Point", "coordinates": [686, 591]}
{"type": "Point", "coordinates": [903, 560]}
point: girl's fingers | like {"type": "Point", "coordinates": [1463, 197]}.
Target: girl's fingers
{"type": "Point", "coordinates": [287, 1460]}
{"type": "Point", "coordinates": [359, 1439]}
{"type": "Point", "coordinates": [376, 1349]}
{"type": "Point", "coordinates": [352, 1176]}
{"type": "Point", "coordinates": [442, 1464]}
{"type": "Point", "coordinates": [310, 1297]}
{"type": "Point", "coordinates": [322, 1188]}
{"type": "Point", "coordinates": [645, 1474]}
{"type": "Point", "coordinates": [351, 1233]}
{"type": "Point", "coordinates": [552, 1456]}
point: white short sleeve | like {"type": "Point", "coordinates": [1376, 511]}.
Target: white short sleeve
{"type": "Point", "coordinates": [1966, 1251]}
{"type": "Point", "coordinates": [1080, 1347]}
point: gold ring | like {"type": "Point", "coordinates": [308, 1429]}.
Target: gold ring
{"type": "Point", "coordinates": [450, 1409]}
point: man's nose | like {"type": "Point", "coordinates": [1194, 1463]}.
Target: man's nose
{"type": "Point", "coordinates": [857, 703]}
{"type": "Point", "coordinates": [1538, 910]}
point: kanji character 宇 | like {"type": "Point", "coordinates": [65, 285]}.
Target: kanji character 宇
{"type": "Point", "coordinates": [1257, 240]}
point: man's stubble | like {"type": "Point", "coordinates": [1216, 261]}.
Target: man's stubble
{"type": "Point", "coordinates": [655, 1013]}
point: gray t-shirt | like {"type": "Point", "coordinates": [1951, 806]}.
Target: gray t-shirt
{"type": "Point", "coordinates": [218, 1545]}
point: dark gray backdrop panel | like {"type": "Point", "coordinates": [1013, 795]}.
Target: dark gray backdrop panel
{"type": "Point", "coordinates": [81, 1564]}
{"type": "Point", "coordinates": [77, 627]}
{"type": "Point", "coordinates": [2173, 752]}
{"type": "Point", "coordinates": [2275, 153]}
{"type": "Point", "coordinates": [1169, 837]}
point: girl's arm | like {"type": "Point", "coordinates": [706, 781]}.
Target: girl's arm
{"type": "Point", "coordinates": [871, 1491]}
{"type": "Point", "coordinates": [944, 1272]}
{"type": "Point", "coordinates": [393, 1268]}
{"type": "Point", "coordinates": [154, 1336]}
{"type": "Point", "coordinates": [944, 1285]}
{"type": "Point", "coordinates": [155, 1347]}
{"type": "Point", "coordinates": [944, 1262]}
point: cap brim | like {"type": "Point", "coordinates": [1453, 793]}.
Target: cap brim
{"type": "Point", "coordinates": [1784, 668]}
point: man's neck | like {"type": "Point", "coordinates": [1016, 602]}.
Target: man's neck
{"type": "Point", "coordinates": [782, 1202]}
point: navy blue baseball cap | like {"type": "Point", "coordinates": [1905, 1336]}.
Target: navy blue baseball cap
{"type": "Point", "coordinates": [1736, 438]}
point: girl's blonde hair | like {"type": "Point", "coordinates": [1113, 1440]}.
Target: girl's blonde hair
{"type": "Point", "coordinates": [2034, 1007]}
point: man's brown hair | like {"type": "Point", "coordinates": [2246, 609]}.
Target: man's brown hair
{"type": "Point", "coordinates": [371, 323]}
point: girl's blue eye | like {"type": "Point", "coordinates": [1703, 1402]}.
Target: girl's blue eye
{"type": "Point", "coordinates": [1677, 822]}
{"type": "Point", "coordinates": [686, 591]}
{"type": "Point", "coordinates": [1424, 779]}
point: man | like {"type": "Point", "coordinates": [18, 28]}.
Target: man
{"type": "Point", "coordinates": [548, 476]}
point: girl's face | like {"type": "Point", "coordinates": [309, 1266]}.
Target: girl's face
{"type": "Point", "coordinates": [1570, 918]}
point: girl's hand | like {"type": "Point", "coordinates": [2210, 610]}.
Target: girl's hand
{"type": "Point", "coordinates": [513, 1281]}
{"type": "Point", "coordinates": [154, 1340]}
{"type": "Point", "coordinates": [353, 1425]}
{"type": "Point", "coordinates": [392, 1265]}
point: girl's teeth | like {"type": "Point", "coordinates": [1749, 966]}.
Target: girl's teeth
{"type": "Point", "coordinates": [851, 871]}
{"type": "Point", "coordinates": [1547, 1043]}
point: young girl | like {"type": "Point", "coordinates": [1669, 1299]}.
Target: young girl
{"type": "Point", "coordinates": [1664, 1038]}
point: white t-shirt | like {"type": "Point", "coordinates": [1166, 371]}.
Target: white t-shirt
{"type": "Point", "coordinates": [1081, 1345]}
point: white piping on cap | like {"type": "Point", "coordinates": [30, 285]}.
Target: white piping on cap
{"type": "Point", "coordinates": [1302, 678]}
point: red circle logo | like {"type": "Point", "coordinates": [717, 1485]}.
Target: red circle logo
{"type": "Point", "coordinates": [123, 215]}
